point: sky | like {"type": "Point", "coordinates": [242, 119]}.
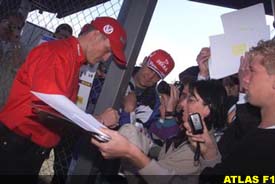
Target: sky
{"type": "Point", "coordinates": [182, 29]}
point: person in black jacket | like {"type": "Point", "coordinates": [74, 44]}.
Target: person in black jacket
{"type": "Point", "coordinates": [254, 154]}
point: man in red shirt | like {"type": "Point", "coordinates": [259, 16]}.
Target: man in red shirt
{"type": "Point", "coordinates": [53, 68]}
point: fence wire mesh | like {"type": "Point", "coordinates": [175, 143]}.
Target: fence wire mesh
{"type": "Point", "coordinates": [78, 19]}
{"type": "Point", "coordinates": [39, 23]}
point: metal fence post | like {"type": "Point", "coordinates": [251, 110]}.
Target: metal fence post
{"type": "Point", "coordinates": [135, 16]}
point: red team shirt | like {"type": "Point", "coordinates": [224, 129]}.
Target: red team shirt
{"type": "Point", "coordinates": [52, 68]}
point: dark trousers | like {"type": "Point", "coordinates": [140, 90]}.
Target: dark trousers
{"type": "Point", "coordinates": [63, 155]}
{"type": "Point", "coordinates": [19, 156]}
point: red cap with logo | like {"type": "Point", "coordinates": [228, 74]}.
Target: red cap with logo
{"type": "Point", "coordinates": [161, 62]}
{"type": "Point", "coordinates": [113, 30]}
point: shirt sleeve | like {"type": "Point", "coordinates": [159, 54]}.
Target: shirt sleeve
{"type": "Point", "coordinates": [153, 168]}
{"type": "Point", "coordinates": [210, 163]}
{"type": "Point", "coordinates": [200, 77]}
{"type": "Point", "coordinates": [50, 73]}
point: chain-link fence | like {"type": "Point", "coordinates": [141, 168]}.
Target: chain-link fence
{"type": "Point", "coordinates": [78, 19]}
{"type": "Point", "coordinates": [39, 23]}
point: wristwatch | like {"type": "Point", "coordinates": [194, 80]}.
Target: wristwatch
{"type": "Point", "coordinates": [169, 115]}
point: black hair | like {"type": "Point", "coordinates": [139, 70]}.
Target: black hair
{"type": "Point", "coordinates": [64, 26]}
{"type": "Point", "coordinates": [192, 71]}
{"type": "Point", "coordinates": [214, 95]}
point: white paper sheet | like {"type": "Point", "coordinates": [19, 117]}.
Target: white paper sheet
{"type": "Point", "coordinates": [227, 49]}
{"type": "Point", "coordinates": [246, 19]}
{"type": "Point", "coordinates": [66, 107]}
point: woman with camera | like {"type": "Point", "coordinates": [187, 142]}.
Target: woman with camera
{"type": "Point", "coordinates": [206, 99]}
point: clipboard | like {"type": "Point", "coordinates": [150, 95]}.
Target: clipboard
{"type": "Point", "coordinates": [44, 112]}
{"type": "Point", "coordinates": [61, 108]}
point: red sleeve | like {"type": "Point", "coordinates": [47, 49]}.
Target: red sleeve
{"type": "Point", "coordinates": [50, 73]}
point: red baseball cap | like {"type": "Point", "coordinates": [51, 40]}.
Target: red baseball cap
{"type": "Point", "coordinates": [113, 30]}
{"type": "Point", "coordinates": [161, 62]}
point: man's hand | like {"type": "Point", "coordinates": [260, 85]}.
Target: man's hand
{"type": "Point", "coordinates": [130, 102]}
{"type": "Point", "coordinates": [202, 60]}
{"type": "Point", "coordinates": [169, 103]}
{"type": "Point", "coordinates": [173, 99]}
{"type": "Point", "coordinates": [109, 118]}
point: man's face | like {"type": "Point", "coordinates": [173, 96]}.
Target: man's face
{"type": "Point", "coordinates": [146, 77]}
{"type": "Point", "coordinates": [260, 83]}
{"type": "Point", "coordinates": [98, 49]}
